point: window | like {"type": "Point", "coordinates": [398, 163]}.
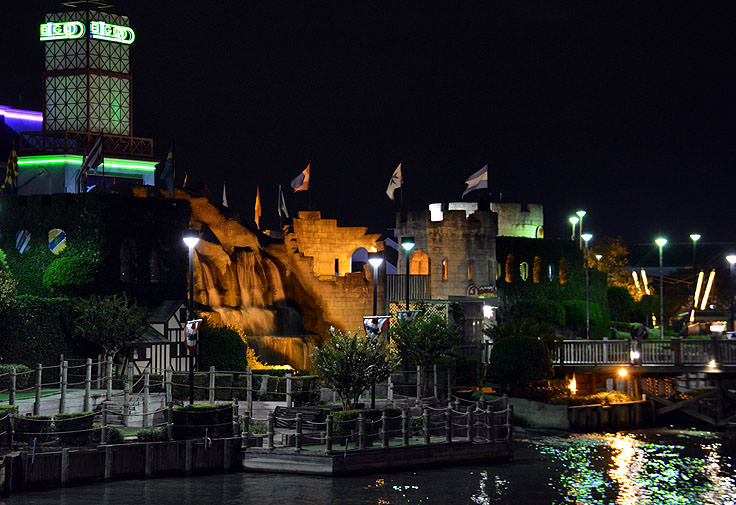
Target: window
{"type": "Point", "coordinates": [444, 269]}
{"type": "Point", "coordinates": [337, 266]}
{"type": "Point", "coordinates": [470, 270]}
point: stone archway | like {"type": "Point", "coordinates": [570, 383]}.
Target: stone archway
{"type": "Point", "coordinates": [358, 259]}
{"type": "Point", "coordinates": [419, 263]}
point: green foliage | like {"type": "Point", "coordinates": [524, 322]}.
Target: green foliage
{"type": "Point", "coordinates": [69, 274]}
{"type": "Point", "coordinates": [75, 428]}
{"type": "Point", "coordinates": [620, 303]}
{"type": "Point", "coordinates": [520, 362]}
{"type": "Point", "coordinates": [426, 341]}
{"type": "Point", "coordinates": [256, 427]}
{"type": "Point", "coordinates": [7, 409]}
{"type": "Point", "coordinates": [23, 378]}
{"type": "Point", "coordinates": [524, 328]}
{"type": "Point", "coordinates": [600, 398]}
{"type": "Point", "coordinates": [649, 304]}
{"type": "Point", "coordinates": [222, 348]}
{"type": "Point", "coordinates": [180, 388]}
{"type": "Point", "coordinates": [152, 435]}
{"type": "Point", "coordinates": [346, 420]}
{"type": "Point", "coordinates": [114, 435]}
{"type": "Point", "coordinates": [112, 323]}
{"type": "Point", "coordinates": [350, 364]}
{"type": "Point", "coordinates": [29, 427]}
{"type": "Point", "coordinates": [575, 316]}
{"type": "Point", "coordinates": [539, 310]}
{"type": "Point", "coordinates": [8, 285]}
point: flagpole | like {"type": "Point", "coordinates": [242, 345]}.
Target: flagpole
{"type": "Point", "coordinates": [309, 188]}
{"type": "Point", "coordinates": [278, 209]}
{"type": "Point", "coordinates": [403, 185]}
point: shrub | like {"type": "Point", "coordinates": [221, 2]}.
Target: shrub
{"type": "Point", "coordinates": [152, 435]}
{"type": "Point", "coordinates": [520, 362]}
{"type": "Point", "coordinates": [74, 429]}
{"type": "Point", "coordinates": [222, 348]}
{"type": "Point", "coordinates": [23, 377]}
{"type": "Point", "coordinates": [256, 427]}
{"type": "Point", "coordinates": [346, 421]}
{"type": "Point", "coordinates": [620, 303]}
{"type": "Point", "coordinates": [68, 274]}
{"type": "Point", "coordinates": [192, 421]}
{"type": "Point", "coordinates": [29, 427]}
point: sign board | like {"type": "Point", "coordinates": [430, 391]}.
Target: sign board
{"type": "Point", "coordinates": [191, 333]}
{"type": "Point", "coordinates": [97, 30]}
{"type": "Point", "coordinates": [375, 324]}
{"type": "Point", "coordinates": [481, 291]}
{"type": "Point", "coordinates": [22, 241]}
{"type": "Point", "coordinates": [409, 316]}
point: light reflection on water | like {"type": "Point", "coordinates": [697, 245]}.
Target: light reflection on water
{"type": "Point", "coordinates": [648, 467]}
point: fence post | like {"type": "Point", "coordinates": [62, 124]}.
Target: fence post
{"type": "Point", "coordinates": [419, 384]}
{"type": "Point", "coordinates": [298, 436]}
{"type": "Point", "coordinates": [469, 423]}
{"type": "Point", "coordinates": [448, 423]}
{"type": "Point", "coordinates": [434, 380]}
{"type": "Point", "coordinates": [676, 344]}
{"type": "Point", "coordinates": [146, 397]}
{"type": "Point", "coordinates": [425, 424]}
{"type": "Point", "coordinates": [37, 401]}
{"type": "Point", "coordinates": [384, 430]}
{"type": "Point", "coordinates": [390, 390]}
{"type": "Point", "coordinates": [126, 395]}
{"type": "Point", "coordinates": [449, 382]}
{"type": "Point", "coordinates": [328, 433]}
{"type": "Point", "coordinates": [491, 430]}
{"type": "Point", "coordinates": [170, 421]}
{"type": "Point", "coordinates": [245, 434]}
{"type": "Point", "coordinates": [288, 390]}
{"type": "Point", "coordinates": [11, 438]}
{"type": "Point", "coordinates": [269, 433]}
{"type": "Point", "coordinates": [100, 368]}
{"type": "Point", "coordinates": [404, 427]}
{"type": "Point", "coordinates": [62, 395]}
{"type": "Point", "coordinates": [11, 396]}
{"type": "Point", "coordinates": [236, 415]}
{"type": "Point", "coordinates": [249, 391]}
{"type": "Point", "coordinates": [87, 385]}
{"type": "Point", "coordinates": [361, 431]}
{"type": "Point", "coordinates": [211, 386]}
{"type": "Point", "coordinates": [167, 386]}
{"type": "Point", "coordinates": [103, 428]}
{"type": "Point", "coordinates": [108, 379]}
{"type": "Point", "coordinates": [61, 369]}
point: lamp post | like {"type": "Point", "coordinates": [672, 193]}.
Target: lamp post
{"type": "Point", "coordinates": [191, 239]}
{"type": "Point", "coordinates": [375, 260]}
{"type": "Point", "coordinates": [586, 237]}
{"type": "Point", "coordinates": [408, 244]}
{"type": "Point", "coordinates": [661, 241]}
{"type": "Point", "coordinates": [581, 215]}
{"type": "Point", "coordinates": [731, 258]}
{"type": "Point", "coordinates": [573, 221]}
{"type": "Point", "coordinates": [694, 237]}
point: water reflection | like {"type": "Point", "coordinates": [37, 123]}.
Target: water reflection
{"type": "Point", "coordinates": [654, 467]}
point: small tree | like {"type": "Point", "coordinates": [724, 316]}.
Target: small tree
{"type": "Point", "coordinates": [426, 341]}
{"type": "Point", "coordinates": [350, 364]}
{"type": "Point", "coordinates": [8, 285]}
{"type": "Point", "coordinates": [520, 362]}
{"type": "Point", "coordinates": [112, 322]}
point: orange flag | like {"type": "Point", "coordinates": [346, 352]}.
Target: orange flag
{"type": "Point", "coordinates": [257, 217]}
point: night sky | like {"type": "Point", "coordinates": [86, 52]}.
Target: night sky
{"type": "Point", "coordinates": [624, 109]}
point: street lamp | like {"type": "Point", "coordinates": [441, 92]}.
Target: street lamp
{"type": "Point", "coordinates": [731, 258]}
{"type": "Point", "coordinates": [586, 237]}
{"type": "Point", "coordinates": [375, 260]}
{"type": "Point", "coordinates": [661, 241]}
{"type": "Point", "coordinates": [191, 239]}
{"type": "Point", "coordinates": [694, 237]}
{"type": "Point", "coordinates": [573, 221]}
{"type": "Point", "coordinates": [581, 215]}
{"type": "Point", "coordinates": [408, 244]}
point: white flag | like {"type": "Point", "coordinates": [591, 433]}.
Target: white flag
{"type": "Point", "coordinates": [395, 182]}
{"type": "Point", "coordinates": [224, 195]}
{"type": "Point", "coordinates": [478, 180]}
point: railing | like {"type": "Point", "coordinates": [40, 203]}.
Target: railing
{"type": "Point", "coordinates": [419, 288]}
{"type": "Point", "coordinates": [73, 142]}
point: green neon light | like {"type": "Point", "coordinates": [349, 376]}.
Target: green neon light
{"type": "Point", "coordinates": [70, 159]}
{"type": "Point", "coordinates": [114, 33]}
{"type": "Point", "coordinates": [61, 31]}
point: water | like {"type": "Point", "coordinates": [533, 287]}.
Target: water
{"type": "Point", "coordinates": [646, 467]}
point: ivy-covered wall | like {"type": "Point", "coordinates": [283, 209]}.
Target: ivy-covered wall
{"type": "Point", "coordinates": [114, 243]}
{"type": "Point", "coordinates": [548, 269]}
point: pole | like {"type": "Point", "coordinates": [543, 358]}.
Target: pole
{"type": "Point", "coordinates": [190, 311]}
{"type": "Point", "coordinates": [587, 294]}
{"type": "Point", "coordinates": [730, 291]}
{"type": "Point", "coordinates": [375, 290]}
{"type": "Point", "coordinates": [407, 280]}
{"type": "Point", "coordinates": [661, 296]}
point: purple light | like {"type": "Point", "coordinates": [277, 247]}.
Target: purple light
{"type": "Point", "coordinates": [26, 115]}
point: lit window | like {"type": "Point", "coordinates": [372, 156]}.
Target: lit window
{"type": "Point", "coordinates": [470, 270]}
{"type": "Point", "coordinates": [444, 270]}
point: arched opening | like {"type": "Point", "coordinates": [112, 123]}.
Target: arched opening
{"type": "Point", "coordinates": [419, 263]}
{"type": "Point", "coordinates": [358, 259]}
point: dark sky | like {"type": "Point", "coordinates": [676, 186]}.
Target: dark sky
{"type": "Point", "coordinates": [624, 109]}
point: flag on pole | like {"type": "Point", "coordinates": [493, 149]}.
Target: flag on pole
{"type": "Point", "coordinates": [257, 210]}
{"type": "Point", "coordinates": [168, 170]}
{"type": "Point", "coordinates": [11, 171]}
{"type": "Point", "coordinates": [91, 161]}
{"type": "Point", "coordinates": [282, 205]}
{"type": "Point", "coordinates": [301, 181]}
{"type": "Point", "coordinates": [478, 180]}
{"type": "Point", "coordinates": [224, 195]}
{"type": "Point", "coordinates": [395, 182]}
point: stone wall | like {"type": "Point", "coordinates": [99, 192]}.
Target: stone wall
{"type": "Point", "coordinates": [519, 219]}
{"type": "Point", "coordinates": [325, 241]}
{"type": "Point", "coordinates": [462, 245]}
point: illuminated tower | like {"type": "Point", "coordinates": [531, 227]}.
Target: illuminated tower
{"type": "Point", "coordinates": [87, 85]}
